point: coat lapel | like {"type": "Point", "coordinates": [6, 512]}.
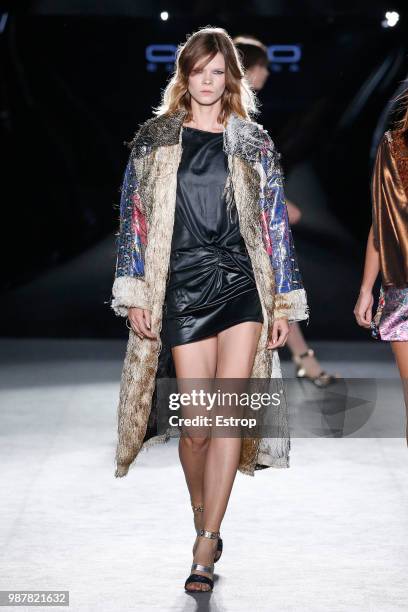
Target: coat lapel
{"type": "Point", "coordinates": [242, 138]}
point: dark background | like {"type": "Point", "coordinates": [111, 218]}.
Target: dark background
{"type": "Point", "coordinates": [76, 80]}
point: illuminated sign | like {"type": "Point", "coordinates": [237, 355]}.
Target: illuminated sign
{"type": "Point", "coordinates": [160, 54]}
{"type": "Point", "coordinates": [280, 57]}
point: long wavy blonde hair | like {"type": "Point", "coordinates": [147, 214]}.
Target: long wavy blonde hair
{"type": "Point", "coordinates": [238, 96]}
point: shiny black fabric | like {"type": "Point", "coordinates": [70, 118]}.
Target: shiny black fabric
{"type": "Point", "coordinates": [211, 283]}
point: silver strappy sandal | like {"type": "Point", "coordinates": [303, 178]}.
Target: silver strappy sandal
{"type": "Point", "coordinates": [209, 569]}
{"type": "Point", "coordinates": [220, 544]}
{"type": "Point", "coordinates": [323, 379]}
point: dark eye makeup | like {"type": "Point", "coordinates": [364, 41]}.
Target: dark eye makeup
{"type": "Point", "coordinates": [218, 70]}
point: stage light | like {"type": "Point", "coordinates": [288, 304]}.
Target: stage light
{"type": "Point", "coordinates": [391, 19]}
{"type": "Point", "coordinates": [164, 15]}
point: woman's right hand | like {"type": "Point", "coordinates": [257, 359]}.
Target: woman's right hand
{"type": "Point", "coordinates": [140, 320]}
{"type": "Point", "coordinates": [363, 310]}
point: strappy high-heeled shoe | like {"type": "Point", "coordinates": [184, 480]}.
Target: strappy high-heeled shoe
{"type": "Point", "coordinates": [220, 544]}
{"type": "Point", "coordinates": [321, 380]}
{"type": "Point", "coordinates": [209, 569]}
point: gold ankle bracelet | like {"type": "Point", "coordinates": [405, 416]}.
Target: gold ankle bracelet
{"type": "Point", "coordinates": [199, 508]}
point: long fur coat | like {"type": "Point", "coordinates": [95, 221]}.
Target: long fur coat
{"type": "Point", "coordinates": [144, 238]}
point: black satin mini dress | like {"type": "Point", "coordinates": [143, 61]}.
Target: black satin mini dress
{"type": "Point", "coordinates": [211, 284]}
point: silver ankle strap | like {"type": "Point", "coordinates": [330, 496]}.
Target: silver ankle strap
{"type": "Point", "coordinates": [203, 568]}
{"type": "Point", "coordinates": [209, 534]}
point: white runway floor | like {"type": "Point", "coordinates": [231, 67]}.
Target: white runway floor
{"type": "Point", "coordinates": [328, 534]}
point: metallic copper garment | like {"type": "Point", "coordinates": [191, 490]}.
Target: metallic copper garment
{"type": "Point", "coordinates": [389, 189]}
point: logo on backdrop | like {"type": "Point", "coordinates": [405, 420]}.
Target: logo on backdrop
{"type": "Point", "coordinates": [281, 57]}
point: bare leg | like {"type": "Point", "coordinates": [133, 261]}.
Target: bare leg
{"type": "Point", "coordinates": [235, 356]}
{"type": "Point", "coordinates": [400, 350]}
{"type": "Point", "coordinates": [298, 345]}
{"type": "Point", "coordinates": [236, 353]}
{"type": "Point", "coordinates": [195, 360]}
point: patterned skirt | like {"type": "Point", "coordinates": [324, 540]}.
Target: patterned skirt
{"type": "Point", "coordinates": [391, 319]}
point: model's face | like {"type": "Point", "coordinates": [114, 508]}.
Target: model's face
{"type": "Point", "coordinates": [257, 76]}
{"type": "Point", "coordinates": [206, 85]}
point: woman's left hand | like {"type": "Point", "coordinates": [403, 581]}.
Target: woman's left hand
{"type": "Point", "coordinates": [279, 334]}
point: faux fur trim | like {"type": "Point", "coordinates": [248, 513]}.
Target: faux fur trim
{"type": "Point", "coordinates": [141, 361]}
{"type": "Point", "coordinates": [246, 188]}
{"type": "Point", "coordinates": [122, 469]}
{"type": "Point", "coordinates": [264, 459]}
{"type": "Point", "coordinates": [129, 292]}
{"type": "Point", "coordinates": [242, 137]}
{"type": "Point", "coordinates": [159, 131]}
{"type": "Point", "coordinates": [292, 305]}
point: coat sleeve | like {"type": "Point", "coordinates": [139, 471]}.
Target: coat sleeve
{"type": "Point", "coordinates": [129, 286]}
{"type": "Point", "coordinates": [290, 295]}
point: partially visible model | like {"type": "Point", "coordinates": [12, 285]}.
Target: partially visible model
{"type": "Point", "coordinates": [255, 61]}
{"type": "Point", "coordinates": [387, 248]}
